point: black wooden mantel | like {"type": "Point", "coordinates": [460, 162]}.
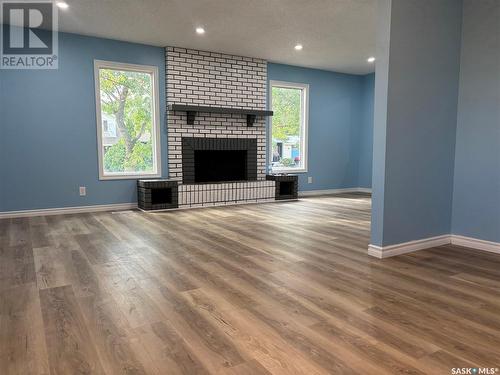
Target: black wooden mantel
{"type": "Point", "coordinates": [192, 110]}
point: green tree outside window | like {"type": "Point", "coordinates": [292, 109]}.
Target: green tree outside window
{"type": "Point", "coordinates": [127, 97]}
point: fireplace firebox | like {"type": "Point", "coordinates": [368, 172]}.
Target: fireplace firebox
{"type": "Point", "coordinates": [219, 159]}
{"type": "Point", "coordinates": [220, 165]}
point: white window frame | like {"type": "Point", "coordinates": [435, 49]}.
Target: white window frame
{"type": "Point", "coordinates": [155, 131]}
{"type": "Point", "coordinates": [303, 129]}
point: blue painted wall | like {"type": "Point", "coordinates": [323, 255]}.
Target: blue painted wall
{"type": "Point", "coordinates": [3, 155]}
{"type": "Point", "coordinates": [380, 120]}
{"type": "Point", "coordinates": [339, 112]}
{"type": "Point", "coordinates": [416, 126]}
{"type": "Point", "coordinates": [476, 197]}
{"type": "Point", "coordinates": [48, 127]}
{"type": "Point", "coordinates": [366, 132]}
{"type": "Point", "coordinates": [48, 145]}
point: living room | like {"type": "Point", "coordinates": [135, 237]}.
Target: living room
{"type": "Point", "coordinates": [250, 187]}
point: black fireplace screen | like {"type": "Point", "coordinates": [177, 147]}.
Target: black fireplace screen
{"type": "Point", "coordinates": [219, 159]}
{"type": "Point", "coordinates": [220, 165]}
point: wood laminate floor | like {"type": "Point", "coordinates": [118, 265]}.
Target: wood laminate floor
{"type": "Point", "coordinates": [281, 288]}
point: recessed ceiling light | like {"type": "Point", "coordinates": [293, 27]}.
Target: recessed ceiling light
{"type": "Point", "coordinates": [371, 59]}
{"type": "Point", "coordinates": [298, 47]}
{"type": "Point", "coordinates": [200, 30]}
{"type": "Point", "coordinates": [62, 5]}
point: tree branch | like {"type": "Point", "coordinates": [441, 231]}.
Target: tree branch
{"type": "Point", "coordinates": [139, 135]}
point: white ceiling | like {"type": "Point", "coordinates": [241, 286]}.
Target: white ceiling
{"type": "Point", "coordinates": [337, 35]}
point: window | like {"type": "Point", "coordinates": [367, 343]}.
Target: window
{"type": "Point", "coordinates": [289, 101]}
{"type": "Point", "coordinates": [127, 109]}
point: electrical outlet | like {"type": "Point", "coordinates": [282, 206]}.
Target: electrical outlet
{"type": "Point", "coordinates": [83, 191]}
{"type": "Point", "coordinates": [309, 180]}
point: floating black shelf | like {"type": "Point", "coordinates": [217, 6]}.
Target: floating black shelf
{"type": "Point", "coordinates": [192, 110]}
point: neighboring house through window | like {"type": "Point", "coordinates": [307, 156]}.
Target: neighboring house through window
{"type": "Point", "coordinates": [127, 109]}
{"type": "Point", "coordinates": [288, 151]}
{"type": "Point", "coordinates": [109, 126]}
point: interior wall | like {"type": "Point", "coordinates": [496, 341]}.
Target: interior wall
{"type": "Point", "coordinates": [48, 143]}
{"type": "Point", "coordinates": [340, 123]}
{"type": "Point", "coordinates": [366, 132]}
{"type": "Point", "coordinates": [383, 40]}
{"type": "Point", "coordinates": [3, 155]}
{"type": "Point", "coordinates": [476, 197]}
{"type": "Point", "coordinates": [415, 125]}
{"type": "Point", "coordinates": [48, 125]}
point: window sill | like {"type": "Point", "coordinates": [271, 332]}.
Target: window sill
{"type": "Point", "coordinates": [129, 176]}
{"type": "Point", "coordinates": [289, 171]}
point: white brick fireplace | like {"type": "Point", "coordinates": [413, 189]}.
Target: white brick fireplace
{"type": "Point", "coordinates": [209, 79]}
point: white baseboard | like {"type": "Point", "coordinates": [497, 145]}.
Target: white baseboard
{"type": "Point", "coordinates": [364, 190]}
{"type": "Point", "coordinates": [426, 243]}
{"type": "Point", "coordinates": [310, 193]}
{"type": "Point", "coordinates": [475, 243]}
{"type": "Point", "coordinates": [407, 247]}
{"type": "Point", "coordinates": [68, 210]}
